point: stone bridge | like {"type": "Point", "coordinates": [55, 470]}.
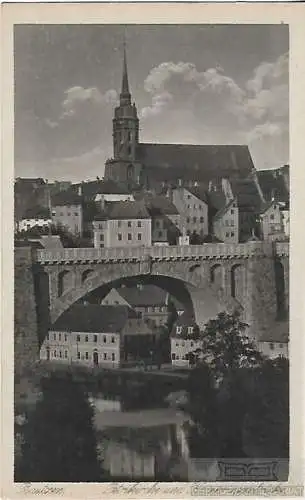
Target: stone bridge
{"type": "Point", "coordinates": [208, 279]}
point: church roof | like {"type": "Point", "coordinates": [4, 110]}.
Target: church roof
{"type": "Point", "coordinates": [198, 161]}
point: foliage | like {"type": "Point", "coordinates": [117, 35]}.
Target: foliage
{"type": "Point", "coordinates": [59, 438]}
{"type": "Point", "coordinates": [225, 347]}
{"type": "Point", "coordinates": [203, 435]}
{"type": "Point", "coordinates": [195, 239]}
{"type": "Point", "coordinates": [266, 425]}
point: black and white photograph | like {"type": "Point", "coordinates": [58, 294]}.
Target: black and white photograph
{"type": "Point", "coordinates": [151, 253]}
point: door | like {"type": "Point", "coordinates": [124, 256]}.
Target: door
{"type": "Point", "coordinates": [95, 358]}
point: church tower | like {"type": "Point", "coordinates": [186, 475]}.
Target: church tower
{"type": "Point", "coordinates": [123, 167]}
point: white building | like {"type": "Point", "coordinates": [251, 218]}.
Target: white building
{"type": "Point", "coordinates": [67, 211]}
{"type": "Point", "coordinates": [123, 224]}
{"type": "Point", "coordinates": [192, 206]}
{"type": "Point", "coordinates": [226, 223]}
{"type": "Point", "coordinates": [276, 342]}
{"type": "Point", "coordinates": [271, 221]}
{"type": "Point", "coordinates": [26, 224]}
{"type": "Point", "coordinates": [88, 335]}
{"type": "Point", "coordinates": [184, 340]}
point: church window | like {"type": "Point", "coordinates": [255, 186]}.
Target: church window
{"type": "Point", "coordinates": [119, 237]}
{"type": "Point", "coordinates": [129, 237]}
{"type": "Point", "coordinates": [129, 223]}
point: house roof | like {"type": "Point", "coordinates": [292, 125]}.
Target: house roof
{"type": "Point", "coordinates": [100, 186]}
{"type": "Point", "coordinates": [224, 209]}
{"type": "Point", "coordinates": [148, 295]}
{"type": "Point", "coordinates": [272, 183]}
{"type": "Point", "coordinates": [216, 200]}
{"type": "Point", "coordinates": [199, 160]}
{"type": "Point", "coordinates": [92, 318]}
{"type": "Point", "coordinates": [127, 210]}
{"type": "Point", "coordinates": [159, 205]}
{"type": "Point", "coordinates": [64, 198]}
{"type": "Point", "coordinates": [200, 192]}
{"type": "Point", "coordinates": [37, 212]}
{"type": "Point", "coordinates": [137, 326]}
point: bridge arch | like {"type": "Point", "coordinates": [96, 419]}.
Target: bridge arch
{"type": "Point", "coordinates": [198, 296]}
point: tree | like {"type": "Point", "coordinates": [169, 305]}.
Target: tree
{"type": "Point", "coordinates": [202, 407]}
{"type": "Point", "coordinates": [59, 438]}
{"type": "Point", "coordinates": [225, 346]}
{"type": "Point", "coordinates": [266, 425]}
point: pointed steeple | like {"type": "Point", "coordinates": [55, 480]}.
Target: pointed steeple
{"type": "Point", "coordinates": [125, 97]}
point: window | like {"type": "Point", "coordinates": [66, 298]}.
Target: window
{"type": "Point", "coordinates": [119, 237]}
{"type": "Point", "coordinates": [76, 213]}
{"type": "Point", "coordinates": [281, 346]}
{"type": "Point", "coordinates": [160, 233]}
{"type": "Point", "coordinates": [104, 339]}
{"type": "Point", "coordinates": [100, 226]}
{"type": "Point", "coordinates": [61, 214]}
{"type": "Point", "coordinates": [78, 355]}
{"type": "Point", "coordinates": [232, 222]}
{"type": "Point", "coordinates": [173, 356]}
{"type": "Point", "coordinates": [232, 234]}
{"type": "Point", "coordinates": [183, 344]}
{"type": "Point", "coordinates": [139, 236]}
{"type": "Point", "coordinates": [129, 237]}
{"type": "Point", "coordinates": [271, 345]}
{"type": "Point", "coordinates": [68, 214]}
{"type": "Point", "coordinates": [227, 235]}
{"type": "Point", "coordinates": [59, 336]}
{"type": "Point", "coordinates": [66, 354]}
{"type": "Point", "coordinates": [201, 220]}
{"type": "Point", "coordinates": [105, 355]}
{"type": "Point", "coordinates": [177, 344]}
{"type": "Point", "coordinates": [178, 330]}
{"type": "Point", "coordinates": [119, 223]}
{"type": "Point", "coordinates": [200, 207]}
{"type": "Point", "coordinates": [60, 354]}
{"type": "Point", "coordinates": [102, 245]}
{"type": "Point", "coordinates": [189, 206]}
{"type": "Point", "coordinates": [272, 217]}
{"type": "Point", "coordinates": [157, 223]}
{"type": "Point", "coordinates": [177, 357]}
{"type": "Point", "coordinates": [102, 237]}
{"type": "Point", "coordinates": [77, 338]}
{"type": "Point", "coordinates": [188, 196]}
{"type": "Point", "coordinates": [113, 356]}
{"type": "Point", "coordinates": [86, 338]}
{"type": "Point", "coordinates": [192, 344]}
{"type": "Point", "coordinates": [232, 212]}
{"type": "Point", "coordinates": [188, 232]}
{"type": "Point", "coordinates": [188, 220]}
{"type": "Point", "coordinates": [194, 207]}
{"type": "Point", "coordinates": [226, 222]}
{"type": "Point", "coordinates": [54, 354]}
{"type": "Point", "coordinates": [94, 338]}
{"type": "Point", "coordinates": [86, 355]}
{"type": "Point", "coordinates": [139, 223]}
{"type": "Point", "coordinates": [129, 223]}
{"type": "Point", "coordinates": [194, 219]}
{"type": "Point", "coordinates": [65, 337]}
{"type": "Point", "coordinates": [190, 329]}
{"type": "Point", "coordinates": [54, 336]}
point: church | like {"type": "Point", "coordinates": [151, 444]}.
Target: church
{"type": "Point", "coordinates": [150, 166]}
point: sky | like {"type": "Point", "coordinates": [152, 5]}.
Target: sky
{"type": "Point", "coordinates": [195, 84]}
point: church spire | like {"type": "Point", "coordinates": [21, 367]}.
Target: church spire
{"type": "Point", "coordinates": [125, 97]}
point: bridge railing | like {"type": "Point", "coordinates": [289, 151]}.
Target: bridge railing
{"type": "Point", "coordinates": [206, 251]}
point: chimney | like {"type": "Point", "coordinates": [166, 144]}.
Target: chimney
{"type": "Point", "coordinates": [180, 182]}
{"type": "Point", "coordinates": [80, 191]}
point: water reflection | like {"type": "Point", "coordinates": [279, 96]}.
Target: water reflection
{"type": "Point", "coordinates": [140, 444]}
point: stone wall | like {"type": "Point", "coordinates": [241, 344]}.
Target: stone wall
{"type": "Point", "coordinates": [25, 320]}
